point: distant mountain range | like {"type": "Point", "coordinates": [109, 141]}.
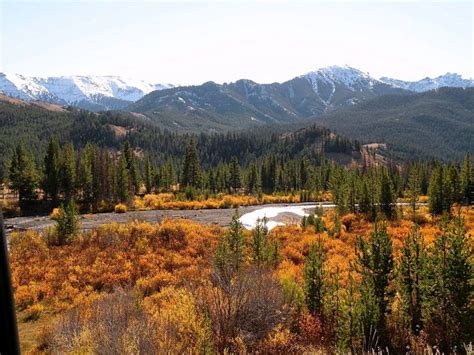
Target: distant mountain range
{"type": "Point", "coordinates": [245, 103]}
{"type": "Point", "coordinates": [94, 93]}
{"type": "Point", "coordinates": [220, 106]}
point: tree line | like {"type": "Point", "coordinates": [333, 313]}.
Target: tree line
{"type": "Point", "coordinates": [98, 176]}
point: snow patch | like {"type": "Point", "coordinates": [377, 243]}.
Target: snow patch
{"type": "Point", "coordinates": [272, 213]}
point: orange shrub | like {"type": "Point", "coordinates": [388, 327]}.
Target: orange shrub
{"type": "Point", "coordinates": [120, 208]}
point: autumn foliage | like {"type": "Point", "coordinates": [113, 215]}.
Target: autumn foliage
{"type": "Point", "coordinates": [158, 285]}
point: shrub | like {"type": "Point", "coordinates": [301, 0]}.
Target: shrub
{"type": "Point", "coordinates": [120, 208]}
{"type": "Point", "coordinates": [33, 312]}
{"type": "Point", "coordinates": [54, 214]}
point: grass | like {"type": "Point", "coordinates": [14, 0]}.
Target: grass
{"type": "Point", "coordinates": [30, 330]}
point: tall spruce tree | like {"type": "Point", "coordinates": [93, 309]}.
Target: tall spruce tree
{"type": "Point", "coordinates": [448, 305]}
{"type": "Point", "coordinates": [414, 187]}
{"type": "Point", "coordinates": [467, 180]}
{"type": "Point", "coordinates": [148, 174]}
{"type": "Point", "coordinates": [68, 171]}
{"type": "Point", "coordinates": [375, 265]}
{"type": "Point", "coordinates": [412, 277]}
{"type": "Point", "coordinates": [436, 191]}
{"type": "Point", "coordinates": [191, 174]}
{"type": "Point", "coordinates": [386, 194]}
{"type": "Point", "coordinates": [235, 182]}
{"type": "Point", "coordinates": [51, 182]}
{"type": "Point", "coordinates": [314, 279]}
{"type": "Point", "coordinates": [122, 180]}
{"type": "Point", "coordinates": [260, 245]}
{"type": "Point", "coordinates": [23, 175]}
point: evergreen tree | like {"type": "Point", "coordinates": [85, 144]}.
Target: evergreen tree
{"type": "Point", "coordinates": [68, 171]}
{"type": "Point", "coordinates": [412, 274]}
{"type": "Point", "coordinates": [67, 222]}
{"type": "Point", "coordinates": [448, 303]}
{"type": "Point", "coordinates": [386, 195]}
{"type": "Point", "coordinates": [452, 187]}
{"type": "Point", "coordinates": [148, 174]}
{"type": "Point", "coordinates": [191, 174]}
{"type": "Point", "coordinates": [260, 247]}
{"type": "Point", "coordinates": [134, 180]}
{"type": "Point", "coordinates": [467, 180]}
{"type": "Point", "coordinates": [23, 176]}
{"type": "Point", "coordinates": [314, 279]}
{"type": "Point", "coordinates": [235, 174]}
{"type": "Point", "coordinates": [304, 173]}
{"type": "Point", "coordinates": [375, 263]}
{"type": "Point", "coordinates": [340, 189]}
{"type": "Point", "coordinates": [51, 183]}
{"type": "Point", "coordinates": [122, 180]}
{"type": "Point", "coordinates": [414, 187]}
{"type": "Point", "coordinates": [436, 191]}
{"type": "Point", "coordinates": [230, 250]}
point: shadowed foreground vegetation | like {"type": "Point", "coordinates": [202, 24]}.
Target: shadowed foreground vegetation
{"type": "Point", "coordinates": [333, 283]}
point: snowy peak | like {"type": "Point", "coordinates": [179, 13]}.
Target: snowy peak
{"type": "Point", "coordinates": [351, 78]}
{"type": "Point", "coordinates": [96, 92]}
{"type": "Point", "coordinates": [426, 84]}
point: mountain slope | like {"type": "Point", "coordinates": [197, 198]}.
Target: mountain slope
{"type": "Point", "coordinates": [89, 92]}
{"type": "Point", "coordinates": [245, 103]}
{"type": "Point", "coordinates": [436, 123]}
{"type": "Point", "coordinates": [34, 123]}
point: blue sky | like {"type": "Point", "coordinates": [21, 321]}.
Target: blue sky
{"type": "Point", "coordinates": [193, 42]}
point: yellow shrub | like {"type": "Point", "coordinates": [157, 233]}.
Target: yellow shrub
{"type": "Point", "coordinates": [54, 214]}
{"type": "Point", "coordinates": [120, 208]}
{"type": "Point", "coordinates": [177, 319]}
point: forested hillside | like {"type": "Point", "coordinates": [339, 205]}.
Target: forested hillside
{"type": "Point", "coordinates": [35, 126]}
{"type": "Point", "coordinates": [432, 124]}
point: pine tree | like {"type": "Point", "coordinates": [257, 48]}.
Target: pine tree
{"type": "Point", "coordinates": [235, 174]}
{"type": "Point", "coordinates": [467, 180]}
{"type": "Point", "coordinates": [260, 247]}
{"type": "Point", "coordinates": [122, 180]}
{"type": "Point", "coordinates": [23, 176]}
{"type": "Point", "coordinates": [148, 174]}
{"type": "Point", "coordinates": [191, 174]}
{"type": "Point", "coordinates": [436, 191]}
{"type": "Point", "coordinates": [67, 222]}
{"type": "Point", "coordinates": [230, 250]}
{"type": "Point", "coordinates": [314, 279]}
{"type": "Point", "coordinates": [364, 200]}
{"type": "Point", "coordinates": [447, 305]}
{"type": "Point", "coordinates": [452, 187]}
{"type": "Point", "coordinates": [386, 195]}
{"type": "Point", "coordinates": [412, 274]}
{"type": "Point", "coordinates": [304, 173]}
{"type": "Point", "coordinates": [375, 264]}
{"type": "Point", "coordinates": [235, 239]}
{"type": "Point", "coordinates": [68, 171]}
{"type": "Point", "coordinates": [134, 180]}
{"type": "Point", "coordinates": [414, 187]}
{"type": "Point", "coordinates": [51, 183]}
{"type": "Point", "coordinates": [340, 189]}
{"type": "Point", "coordinates": [87, 178]}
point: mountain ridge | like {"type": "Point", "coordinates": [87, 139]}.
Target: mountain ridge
{"type": "Point", "coordinates": [332, 87]}
{"type": "Point", "coordinates": [95, 93]}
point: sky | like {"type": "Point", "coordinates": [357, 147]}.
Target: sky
{"type": "Point", "coordinates": [265, 41]}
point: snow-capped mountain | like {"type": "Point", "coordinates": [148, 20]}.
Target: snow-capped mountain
{"type": "Point", "coordinates": [90, 92]}
{"type": "Point", "coordinates": [449, 79]}
{"type": "Point", "coordinates": [352, 78]}
{"type": "Point", "coordinates": [344, 85]}
{"type": "Point", "coordinates": [309, 95]}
